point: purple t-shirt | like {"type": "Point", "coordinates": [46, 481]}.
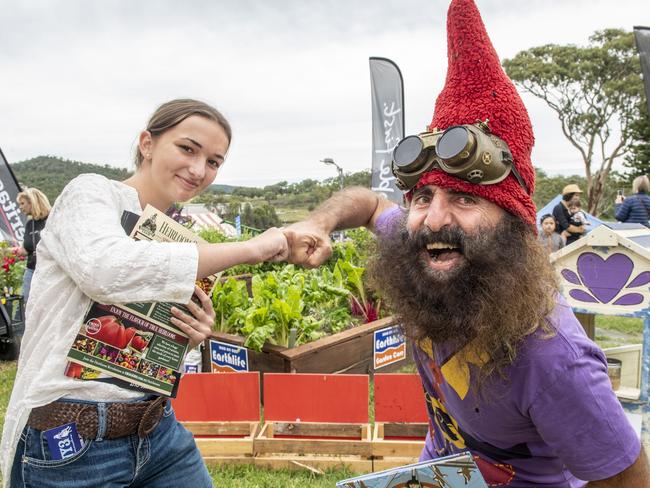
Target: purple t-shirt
{"type": "Point", "coordinates": [554, 421]}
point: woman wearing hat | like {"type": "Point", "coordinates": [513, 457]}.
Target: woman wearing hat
{"type": "Point", "coordinates": [562, 214]}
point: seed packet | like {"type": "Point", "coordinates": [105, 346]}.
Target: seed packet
{"type": "Point", "coordinates": [457, 471]}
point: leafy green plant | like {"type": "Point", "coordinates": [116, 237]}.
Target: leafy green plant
{"type": "Point", "coordinates": [213, 236]}
{"type": "Point", "coordinates": [277, 309]}
{"type": "Point", "coordinates": [347, 273]}
{"type": "Point", "coordinates": [292, 306]}
{"type": "Point", "coordinates": [229, 300]}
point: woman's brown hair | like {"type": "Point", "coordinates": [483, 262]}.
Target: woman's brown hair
{"type": "Point", "coordinates": [174, 112]}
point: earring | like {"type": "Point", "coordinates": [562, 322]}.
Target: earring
{"type": "Point", "coordinates": [148, 156]}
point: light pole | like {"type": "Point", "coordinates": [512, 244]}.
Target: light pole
{"type": "Point", "coordinates": [341, 235]}
{"type": "Point", "coordinates": [338, 168]}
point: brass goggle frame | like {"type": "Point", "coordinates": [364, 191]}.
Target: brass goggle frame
{"type": "Point", "coordinates": [468, 152]}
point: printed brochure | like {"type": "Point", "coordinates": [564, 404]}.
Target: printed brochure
{"type": "Point", "coordinates": [134, 345]}
{"type": "Point", "coordinates": [457, 471]}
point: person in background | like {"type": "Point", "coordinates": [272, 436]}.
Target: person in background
{"type": "Point", "coordinates": [578, 217]}
{"type": "Point", "coordinates": [562, 215]}
{"type": "Point", "coordinates": [548, 238]}
{"type": "Point", "coordinates": [635, 208]}
{"type": "Point", "coordinates": [129, 439]}
{"type": "Point", "coordinates": [35, 205]}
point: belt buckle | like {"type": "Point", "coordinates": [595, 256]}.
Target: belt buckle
{"type": "Point", "coordinates": [151, 417]}
{"type": "Point", "coordinates": [87, 422]}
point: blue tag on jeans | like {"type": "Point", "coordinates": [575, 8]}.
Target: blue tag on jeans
{"type": "Point", "coordinates": [63, 441]}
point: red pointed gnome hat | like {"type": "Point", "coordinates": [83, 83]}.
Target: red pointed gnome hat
{"type": "Point", "coordinates": [476, 89]}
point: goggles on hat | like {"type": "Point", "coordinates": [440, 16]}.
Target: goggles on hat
{"type": "Point", "coordinates": [468, 152]}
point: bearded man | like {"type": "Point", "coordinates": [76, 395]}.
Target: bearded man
{"type": "Point", "coordinates": [507, 370]}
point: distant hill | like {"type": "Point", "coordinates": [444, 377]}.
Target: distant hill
{"type": "Point", "coordinates": [227, 189]}
{"type": "Point", "coordinates": [50, 174]}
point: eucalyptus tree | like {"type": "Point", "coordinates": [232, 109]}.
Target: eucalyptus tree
{"type": "Point", "coordinates": [595, 91]}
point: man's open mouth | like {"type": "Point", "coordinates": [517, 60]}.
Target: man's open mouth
{"type": "Point", "coordinates": [441, 251]}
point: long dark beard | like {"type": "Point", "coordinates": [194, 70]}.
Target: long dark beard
{"type": "Point", "coordinates": [501, 293]}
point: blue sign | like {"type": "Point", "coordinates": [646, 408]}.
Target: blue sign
{"type": "Point", "coordinates": [238, 225]}
{"type": "Point", "coordinates": [227, 358]}
{"type": "Point", "coordinates": [390, 346]}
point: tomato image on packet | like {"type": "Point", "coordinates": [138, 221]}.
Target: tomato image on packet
{"type": "Point", "coordinates": [110, 330]}
{"type": "Point", "coordinates": [139, 342]}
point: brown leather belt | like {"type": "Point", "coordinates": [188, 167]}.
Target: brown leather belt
{"type": "Point", "coordinates": [122, 419]}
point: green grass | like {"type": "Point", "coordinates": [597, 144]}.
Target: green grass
{"type": "Point", "coordinates": [7, 376]}
{"type": "Point", "coordinates": [291, 215]}
{"type": "Point", "coordinates": [626, 325]}
{"type": "Point", "coordinates": [613, 331]}
{"type": "Point", "coordinates": [606, 342]}
{"type": "Point", "coordinates": [252, 477]}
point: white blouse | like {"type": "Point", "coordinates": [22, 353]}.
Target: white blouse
{"type": "Point", "coordinates": [85, 254]}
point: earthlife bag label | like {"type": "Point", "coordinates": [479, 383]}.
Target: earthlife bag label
{"type": "Point", "coordinates": [390, 346]}
{"type": "Point", "coordinates": [227, 358]}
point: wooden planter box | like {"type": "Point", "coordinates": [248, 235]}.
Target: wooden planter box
{"type": "Point", "coordinates": [304, 430]}
{"type": "Point", "coordinates": [222, 411]}
{"type": "Point", "coordinates": [350, 351]}
{"type": "Point", "coordinates": [400, 420]}
{"type": "Point", "coordinates": [315, 445]}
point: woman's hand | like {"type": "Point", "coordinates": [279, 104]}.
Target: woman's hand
{"type": "Point", "coordinates": [19, 250]}
{"type": "Point", "coordinates": [271, 245]}
{"type": "Point", "coordinates": [198, 326]}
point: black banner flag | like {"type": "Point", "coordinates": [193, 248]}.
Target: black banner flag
{"type": "Point", "coordinates": [387, 124]}
{"type": "Point", "coordinates": [12, 221]}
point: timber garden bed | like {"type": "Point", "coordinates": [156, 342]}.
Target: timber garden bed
{"type": "Point", "coordinates": [350, 351]}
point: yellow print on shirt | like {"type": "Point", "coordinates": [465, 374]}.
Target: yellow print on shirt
{"type": "Point", "coordinates": [445, 423]}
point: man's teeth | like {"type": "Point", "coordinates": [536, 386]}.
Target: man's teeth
{"type": "Point", "coordinates": [440, 245]}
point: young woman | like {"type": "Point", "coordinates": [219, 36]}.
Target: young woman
{"type": "Point", "coordinates": [35, 205]}
{"type": "Point", "coordinates": [85, 255]}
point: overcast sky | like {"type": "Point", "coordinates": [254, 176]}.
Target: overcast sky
{"type": "Point", "coordinates": [79, 78]}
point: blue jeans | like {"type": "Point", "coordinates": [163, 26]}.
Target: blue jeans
{"type": "Point", "coordinates": [27, 284]}
{"type": "Point", "coordinates": [166, 457]}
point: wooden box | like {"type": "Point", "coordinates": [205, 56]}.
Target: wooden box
{"type": "Point", "coordinates": [315, 422]}
{"type": "Point", "coordinates": [222, 410]}
{"type": "Point", "coordinates": [400, 420]}
{"type": "Point", "coordinates": [350, 351]}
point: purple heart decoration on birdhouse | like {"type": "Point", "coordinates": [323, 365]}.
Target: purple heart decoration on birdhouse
{"type": "Point", "coordinates": [642, 279]}
{"type": "Point", "coordinates": [570, 276]}
{"type": "Point", "coordinates": [604, 278]}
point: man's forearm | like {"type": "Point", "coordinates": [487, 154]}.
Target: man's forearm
{"type": "Point", "coordinates": [309, 241]}
{"type": "Point", "coordinates": [350, 208]}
